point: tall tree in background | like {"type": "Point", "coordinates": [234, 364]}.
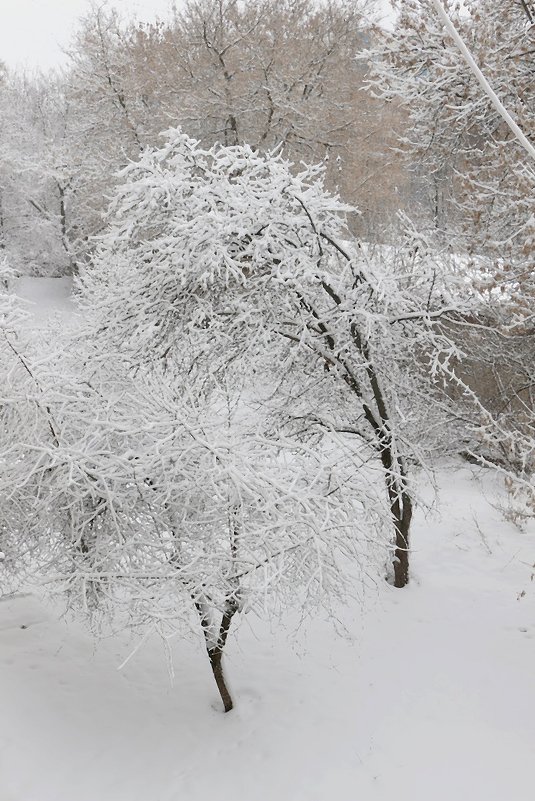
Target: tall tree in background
{"type": "Point", "coordinates": [271, 73]}
{"type": "Point", "coordinates": [482, 183]}
{"type": "Point", "coordinates": [50, 203]}
{"type": "Point", "coordinates": [279, 73]}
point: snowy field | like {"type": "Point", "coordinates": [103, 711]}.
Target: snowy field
{"type": "Point", "coordinates": [421, 694]}
{"type": "Point", "coordinates": [430, 694]}
{"type": "Point", "coordinates": [47, 301]}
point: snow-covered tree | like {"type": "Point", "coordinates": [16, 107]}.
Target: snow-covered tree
{"type": "Point", "coordinates": [22, 417]}
{"type": "Point", "coordinates": [153, 506]}
{"type": "Point", "coordinates": [47, 176]}
{"type": "Point", "coordinates": [480, 177]}
{"type": "Point", "coordinates": [149, 501]}
{"type": "Point", "coordinates": [223, 261]}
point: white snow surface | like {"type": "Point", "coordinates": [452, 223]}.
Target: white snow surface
{"type": "Point", "coordinates": [429, 695]}
{"type": "Point", "coordinates": [421, 694]}
{"type": "Point", "coordinates": [47, 301]}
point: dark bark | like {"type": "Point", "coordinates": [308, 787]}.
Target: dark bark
{"type": "Point", "coordinates": [63, 221]}
{"type": "Point", "coordinates": [215, 657]}
{"type": "Point", "coordinates": [231, 123]}
{"type": "Point", "coordinates": [215, 652]}
{"type": "Point", "coordinates": [528, 11]}
{"type": "Point", "coordinates": [401, 506]}
{"type": "Point", "coordinates": [400, 509]}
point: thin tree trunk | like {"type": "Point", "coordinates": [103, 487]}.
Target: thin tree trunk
{"type": "Point", "coordinates": [215, 651]}
{"type": "Point", "coordinates": [217, 670]}
{"type": "Point", "coordinates": [401, 506]}
{"type": "Point", "coordinates": [379, 421]}
{"type": "Point", "coordinates": [401, 511]}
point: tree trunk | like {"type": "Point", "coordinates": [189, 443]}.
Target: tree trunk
{"type": "Point", "coordinates": [215, 655]}
{"type": "Point", "coordinates": [401, 511]}
{"type": "Point", "coordinates": [402, 515]}
{"type": "Point", "coordinates": [379, 422]}
{"type": "Point", "coordinates": [215, 650]}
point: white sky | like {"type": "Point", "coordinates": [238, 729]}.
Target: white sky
{"type": "Point", "coordinates": [33, 32]}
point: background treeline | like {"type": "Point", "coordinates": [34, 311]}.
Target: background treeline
{"type": "Point", "coordinates": [276, 73]}
{"type": "Point", "coordinates": [396, 116]}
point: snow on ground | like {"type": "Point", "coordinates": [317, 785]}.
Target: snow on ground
{"type": "Point", "coordinates": [48, 301]}
{"type": "Point", "coordinates": [429, 697]}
